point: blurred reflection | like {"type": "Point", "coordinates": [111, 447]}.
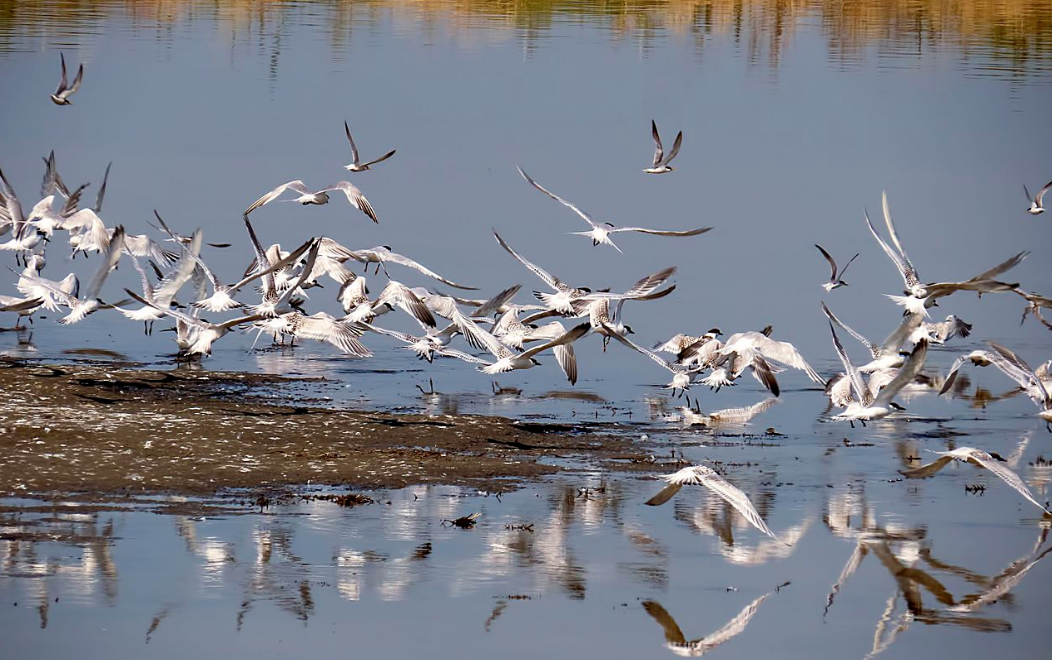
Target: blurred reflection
{"type": "Point", "coordinates": [993, 37]}
{"type": "Point", "coordinates": [677, 642]}
{"type": "Point", "coordinates": [278, 575]}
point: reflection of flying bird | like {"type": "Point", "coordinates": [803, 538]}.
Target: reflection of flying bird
{"type": "Point", "coordinates": [702, 475]}
{"type": "Point", "coordinates": [978, 458]}
{"type": "Point", "coordinates": [1036, 383]}
{"type": "Point", "coordinates": [661, 161]}
{"type": "Point", "coordinates": [600, 233]}
{"type": "Point", "coordinates": [677, 642]}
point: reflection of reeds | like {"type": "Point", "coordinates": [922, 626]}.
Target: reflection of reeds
{"type": "Point", "coordinates": [1007, 34]}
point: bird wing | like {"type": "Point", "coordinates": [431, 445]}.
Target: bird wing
{"type": "Point", "coordinates": [296, 185]}
{"type": "Point", "coordinates": [394, 257]}
{"type": "Point", "coordinates": [567, 338]}
{"type": "Point", "coordinates": [102, 189]}
{"type": "Point", "coordinates": [650, 354]}
{"type": "Point", "coordinates": [1005, 474]}
{"type": "Point", "coordinates": [906, 374]}
{"type": "Point", "coordinates": [63, 81]}
{"type": "Point", "coordinates": [832, 264]}
{"type": "Point", "coordinates": [399, 294]}
{"type": "Point", "coordinates": [308, 267]}
{"type": "Point", "coordinates": [1018, 370]}
{"type": "Point", "coordinates": [927, 470]}
{"type": "Point", "coordinates": [1003, 267]}
{"type": "Point", "coordinates": [492, 305]}
{"type": "Point", "coordinates": [567, 361]}
{"type": "Point", "coordinates": [859, 387]}
{"type": "Point", "coordinates": [13, 206]}
{"type": "Point", "coordinates": [262, 262]}
{"type": "Point", "coordinates": [342, 335]}
{"type": "Point", "coordinates": [659, 151]}
{"type": "Point", "coordinates": [675, 149]}
{"type": "Point", "coordinates": [183, 271]}
{"type": "Point", "coordinates": [660, 232]}
{"type": "Point", "coordinates": [951, 376]}
{"type": "Point", "coordinates": [548, 279]}
{"type": "Point", "coordinates": [109, 261]}
{"type": "Point", "coordinates": [873, 348]}
{"type": "Point", "coordinates": [355, 197]}
{"type": "Point", "coordinates": [460, 355]}
{"type": "Point", "coordinates": [732, 629]}
{"type": "Point", "coordinates": [381, 158]}
{"type": "Point", "coordinates": [779, 351]}
{"type": "Point", "coordinates": [673, 634]}
{"type": "Point", "coordinates": [900, 265]}
{"type": "Point", "coordinates": [278, 265]}
{"type": "Point", "coordinates": [1041, 193]}
{"type": "Point", "coordinates": [354, 149]}
{"type": "Point", "coordinates": [730, 493]}
{"type": "Point", "coordinates": [844, 270]}
{"type": "Point", "coordinates": [76, 81]}
{"type": "Point", "coordinates": [584, 216]}
{"type": "Point", "coordinates": [911, 272]}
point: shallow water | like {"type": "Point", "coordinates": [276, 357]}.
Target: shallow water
{"type": "Point", "coordinates": [796, 116]}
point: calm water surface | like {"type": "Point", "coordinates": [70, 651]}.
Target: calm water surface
{"type": "Point", "coordinates": [796, 116]}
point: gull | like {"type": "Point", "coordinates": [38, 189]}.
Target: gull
{"type": "Point", "coordinates": [703, 475]}
{"type": "Point", "coordinates": [681, 375]}
{"type": "Point", "coordinates": [726, 416]}
{"type": "Point", "coordinates": [425, 347]}
{"type": "Point", "coordinates": [82, 306]}
{"type": "Point", "coordinates": [201, 334]}
{"type": "Point", "coordinates": [567, 300]}
{"type": "Point", "coordinates": [603, 321]}
{"type": "Point", "coordinates": [1036, 383]}
{"type": "Point", "coordinates": [1036, 205]}
{"type": "Point", "coordinates": [14, 220]}
{"type": "Point", "coordinates": [661, 162]}
{"type": "Point", "coordinates": [356, 164]}
{"type": "Point", "coordinates": [87, 233]}
{"type": "Point", "coordinates": [978, 458]}
{"type": "Point", "coordinates": [835, 281]}
{"type": "Point", "coordinates": [164, 295]}
{"type": "Point", "coordinates": [889, 354]}
{"type": "Point", "coordinates": [508, 360]}
{"type": "Point", "coordinates": [381, 255]}
{"type": "Point", "coordinates": [676, 642]}
{"type": "Point", "coordinates": [64, 91]}
{"type": "Point", "coordinates": [600, 233]}
{"type": "Point", "coordinates": [866, 406]}
{"type": "Point", "coordinates": [319, 197]}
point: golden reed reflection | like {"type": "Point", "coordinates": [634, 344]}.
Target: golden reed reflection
{"type": "Point", "coordinates": [991, 35]}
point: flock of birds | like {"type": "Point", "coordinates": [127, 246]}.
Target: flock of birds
{"type": "Point", "coordinates": [495, 326]}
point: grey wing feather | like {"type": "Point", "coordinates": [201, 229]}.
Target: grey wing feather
{"type": "Point", "coordinates": [675, 148]}
{"type": "Point", "coordinates": [661, 232]}
{"type": "Point", "coordinates": [551, 281]}
{"type": "Point", "coordinates": [906, 374]}
{"type": "Point", "coordinates": [832, 264]}
{"type": "Point", "coordinates": [659, 151]}
{"type": "Point", "coordinates": [584, 216]}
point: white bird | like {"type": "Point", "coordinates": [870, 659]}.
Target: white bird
{"type": "Point", "coordinates": [222, 298]}
{"type": "Point", "coordinates": [354, 197]}
{"type": "Point", "coordinates": [703, 475]}
{"type": "Point", "coordinates": [978, 458]}
{"type": "Point", "coordinates": [600, 233]}
{"type": "Point", "coordinates": [661, 161]}
{"type": "Point", "coordinates": [681, 375]}
{"type": "Point", "coordinates": [835, 279]}
{"type": "Point", "coordinates": [381, 255]}
{"type": "Point", "coordinates": [201, 334]}
{"type": "Point", "coordinates": [867, 406]}
{"type": "Point", "coordinates": [898, 256]}
{"type": "Point", "coordinates": [889, 354]}
{"type": "Point", "coordinates": [749, 345]}
{"type": "Point", "coordinates": [940, 333]}
{"type": "Point", "coordinates": [1036, 202]}
{"type": "Point", "coordinates": [356, 164]}
{"type": "Point", "coordinates": [1037, 384]}
{"type": "Point", "coordinates": [324, 327]}
{"type": "Point", "coordinates": [64, 91]}
{"type": "Point", "coordinates": [508, 360]}
{"type": "Point", "coordinates": [80, 307]}
{"type": "Point", "coordinates": [426, 347]}
{"type": "Point", "coordinates": [318, 197]}
{"type": "Point", "coordinates": [688, 348]}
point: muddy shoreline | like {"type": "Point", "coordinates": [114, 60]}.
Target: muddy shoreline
{"type": "Point", "coordinates": [113, 431]}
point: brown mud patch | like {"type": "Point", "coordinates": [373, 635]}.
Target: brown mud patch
{"type": "Point", "coordinates": [112, 431]}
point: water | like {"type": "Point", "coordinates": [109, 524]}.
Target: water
{"type": "Point", "coordinates": [796, 117]}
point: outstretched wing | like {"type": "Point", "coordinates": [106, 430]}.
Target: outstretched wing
{"type": "Point", "coordinates": [661, 232]}
{"type": "Point", "coordinates": [548, 279]}
{"type": "Point", "coordinates": [584, 216]}
{"type": "Point", "coordinates": [1006, 475]}
{"type": "Point", "coordinates": [659, 151]}
{"type": "Point", "coordinates": [355, 197]}
{"type": "Point", "coordinates": [832, 264]}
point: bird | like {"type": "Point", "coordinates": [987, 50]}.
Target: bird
{"type": "Point", "coordinates": [688, 347]}
{"type": "Point", "coordinates": [201, 334]}
{"type": "Point", "coordinates": [865, 405]}
{"type": "Point", "coordinates": [600, 233]}
{"type": "Point", "coordinates": [356, 164]}
{"type": "Point", "coordinates": [835, 280]}
{"type": "Point", "coordinates": [898, 256]}
{"type": "Point", "coordinates": [318, 197]}
{"type": "Point", "coordinates": [677, 642]}
{"type": "Point", "coordinates": [888, 355]}
{"type": "Point", "coordinates": [425, 347]}
{"type": "Point", "coordinates": [1036, 202]}
{"type": "Point", "coordinates": [734, 416]}
{"type": "Point", "coordinates": [978, 458]}
{"type": "Point", "coordinates": [661, 162]}
{"type": "Point", "coordinates": [508, 360]}
{"type": "Point", "coordinates": [381, 255]}
{"type": "Point", "coordinates": [703, 475]}
{"type": "Point", "coordinates": [354, 197]}
{"type": "Point", "coordinates": [681, 375]}
{"type": "Point", "coordinates": [64, 91]}
{"type": "Point", "coordinates": [755, 350]}
{"type": "Point", "coordinates": [1036, 383]}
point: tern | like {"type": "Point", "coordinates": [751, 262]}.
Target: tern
{"type": "Point", "coordinates": [703, 475]}
{"type": "Point", "coordinates": [24, 306]}
{"type": "Point", "coordinates": [688, 348]}
{"type": "Point", "coordinates": [1036, 383]}
{"type": "Point", "coordinates": [381, 255]}
{"type": "Point", "coordinates": [978, 458]}
{"type": "Point", "coordinates": [319, 197]}
{"type": "Point", "coordinates": [356, 164]}
{"type": "Point", "coordinates": [661, 162]}
{"type": "Point", "coordinates": [425, 347]}
{"type": "Point", "coordinates": [867, 406]}
{"type": "Point", "coordinates": [681, 375]}
{"type": "Point", "coordinates": [835, 281]}
{"type": "Point", "coordinates": [324, 327]}
{"type": "Point", "coordinates": [756, 350]}
{"type": "Point", "coordinates": [1036, 202]}
{"type": "Point", "coordinates": [64, 91]}
{"type": "Point", "coordinates": [889, 354]}
{"type": "Point", "coordinates": [508, 360]}
{"type": "Point", "coordinates": [201, 334]}
{"type": "Point", "coordinates": [600, 233]}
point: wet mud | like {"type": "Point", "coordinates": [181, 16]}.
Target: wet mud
{"type": "Point", "coordinates": [109, 430]}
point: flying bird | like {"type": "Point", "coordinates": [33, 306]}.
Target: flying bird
{"type": "Point", "coordinates": [835, 281]}
{"type": "Point", "coordinates": [1036, 202]}
{"type": "Point", "coordinates": [64, 91]}
{"type": "Point", "coordinates": [600, 233]}
{"type": "Point", "coordinates": [661, 161]}
{"type": "Point", "coordinates": [356, 164]}
{"type": "Point", "coordinates": [978, 458]}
